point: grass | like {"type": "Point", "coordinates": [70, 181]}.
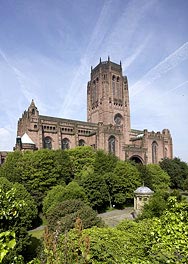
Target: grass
{"type": "Point", "coordinates": [37, 233]}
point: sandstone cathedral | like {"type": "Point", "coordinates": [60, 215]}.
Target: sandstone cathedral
{"type": "Point", "coordinates": [107, 126]}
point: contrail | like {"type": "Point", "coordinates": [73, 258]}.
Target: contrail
{"type": "Point", "coordinates": [170, 62]}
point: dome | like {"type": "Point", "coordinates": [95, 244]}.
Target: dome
{"type": "Point", "coordinates": [143, 190]}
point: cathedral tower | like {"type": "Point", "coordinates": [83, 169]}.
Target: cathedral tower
{"type": "Point", "coordinates": [108, 96]}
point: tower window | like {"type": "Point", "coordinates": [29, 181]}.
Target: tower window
{"type": "Point", "coordinates": [33, 111]}
{"type": "Point", "coordinates": [111, 144]}
{"type": "Point", "coordinates": [154, 152]}
{"type": "Point", "coordinates": [65, 144]}
{"type": "Point", "coordinates": [47, 143]}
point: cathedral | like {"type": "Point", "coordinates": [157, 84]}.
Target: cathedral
{"type": "Point", "coordinates": [107, 127]}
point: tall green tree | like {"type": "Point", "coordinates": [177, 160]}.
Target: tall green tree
{"type": "Point", "coordinates": [126, 180]}
{"type": "Point", "coordinates": [81, 157]}
{"type": "Point", "coordinates": [96, 190]}
{"type": "Point", "coordinates": [160, 180]}
{"type": "Point", "coordinates": [178, 172]}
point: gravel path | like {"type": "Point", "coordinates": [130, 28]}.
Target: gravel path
{"type": "Point", "coordinates": [112, 218]}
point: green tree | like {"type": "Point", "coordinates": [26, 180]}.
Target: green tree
{"type": "Point", "coordinates": [178, 172]}
{"type": "Point", "coordinates": [17, 211]}
{"type": "Point", "coordinates": [81, 157]}
{"type": "Point", "coordinates": [160, 180]}
{"type": "Point", "coordinates": [96, 190]}
{"type": "Point", "coordinates": [126, 180]}
{"type": "Point", "coordinates": [169, 234]}
{"type": "Point", "coordinates": [12, 167]}
{"type": "Point", "coordinates": [104, 162]}
{"type": "Point", "coordinates": [61, 193]}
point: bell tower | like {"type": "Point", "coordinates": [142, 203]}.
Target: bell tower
{"type": "Point", "coordinates": [108, 96]}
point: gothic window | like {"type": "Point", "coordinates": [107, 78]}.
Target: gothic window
{"type": "Point", "coordinates": [33, 111]}
{"type": "Point", "coordinates": [65, 144]}
{"type": "Point", "coordinates": [154, 152]}
{"type": "Point", "coordinates": [111, 144]}
{"type": "Point", "coordinates": [81, 142]}
{"type": "Point", "coordinates": [118, 119]}
{"type": "Point", "coordinates": [166, 153]}
{"type": "Point", "coordinates": [94, 93]}
{"type": "Point", "coordinates": [47, 143]}
{"type": "Point", "coordinates": [113, 89]}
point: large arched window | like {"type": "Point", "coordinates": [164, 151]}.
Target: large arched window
{"type": "Point", "coordinates": [154, 152]}
{"type": "Point", "coordinates": [81, 142]}
{"type": "Point", "coordinates": [165, 152]}
{"type": "Point", "coordinates": [111, 144]}
{"type": "Point", "coordinates": [47, 143]}
{"type": "Point", "coordinates": [65, 144]}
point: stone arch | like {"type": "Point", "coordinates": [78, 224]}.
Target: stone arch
{"type": "Point", "coordinates": [81, 142]}
{"type": "Point", "coordinates": [112, 144]}
{"type": "Point", "coordinates": [65, 143]}
{"type": "Point", "coordinates": [137, 159]}
{"type": "Point", "coordinates": [47, 143]}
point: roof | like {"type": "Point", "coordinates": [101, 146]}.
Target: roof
{"type": "Point", "coordinates": [26, 139]}
{"type": "Point", "coordinates": [143, 190]}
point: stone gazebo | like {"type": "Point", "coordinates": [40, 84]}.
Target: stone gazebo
{"type": "Point", "coordinates": [141, 196]}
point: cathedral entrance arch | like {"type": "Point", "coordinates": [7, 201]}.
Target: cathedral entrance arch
{"type": "Point", "coordinates": [136, 159]}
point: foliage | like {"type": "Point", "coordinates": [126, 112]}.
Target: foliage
{"type": "Point", "coordinates": [63, 216]}
{"type": "Point", "coordinates": [17, 211]}
{"type": "Point", "coordinates": [169, 234]}
{"type": "Point", "coordinates": [61, 193]}
{"type": "Point", "coordinates": [81, 157]}
{"type": "Point", "coordinates": [126, 180]}
{"type": "Point", "coordinates": [160, 180]}
{"type": "Point", "coordinates": [12, 167]}
{"type": "Point", "coordinates": [178, 172]}
{"type": "Point", "coordinates": [104, 162]}
{"type": "Point", "coordinates": [96, 190]}
{"type": "Point", "coordinates": [7, 242]}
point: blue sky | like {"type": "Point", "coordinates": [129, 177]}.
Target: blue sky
{"type": "Point", "coordinates": [47, 48]}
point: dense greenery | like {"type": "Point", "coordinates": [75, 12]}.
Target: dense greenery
{"type": "Point", "coordinates": [71, 187]}
{"type": "Point", "coordinates": [62, 217]}
{"type": "Point", "coordinates": [17, 211]}
{"type": "Point", "coordinates": [158, 240]}
{"type": "Point", "coordinates": [178, 172]}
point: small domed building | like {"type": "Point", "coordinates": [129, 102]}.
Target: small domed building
{"type": "Point", "coordinates": [141, 196]}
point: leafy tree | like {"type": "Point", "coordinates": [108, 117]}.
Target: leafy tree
{"type": "Point", "coordinates": [104, 162]}
{"type": "Point", "coordinates": [17, 211]}
{"type": "Point", "coordinates": [62, 217]}
{"type": "Point", "coordinates": [7, 242]}
{"type": "Point", "coordinates": [178, 172]}
{"type": "Point", "coordinates": [169, 234]}
{"type": "Point", "coordinates": [64, 166]}
{"type": "Point", "coordinates": [160, 180]}
{"type": "Point", "coordinates": [61, 193]}
{"type": "Point", "coordinates": [12, 167]}
{"type": "Point", "coordinates": [96, 190]}
{"type": "Point", "coordinates": [81, 157]}
{"type": "Point", "coordinates": [126, 180]}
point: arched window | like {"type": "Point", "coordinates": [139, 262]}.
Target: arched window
{"type": "Point", "coordinates": [65, 144]}
{"type": "Point", "coordinates": [81, 142]}
{"type": "Point", "coordinates": [165, 152]}
{"type": "Point", "coordinates": [111, 144]}
{"type": "Point", "coordinates": [118, 119]}
{"type": "Point", "coordinates": [47, 143]}
{"type": "Point", "coordinates": [154, 152]}
{"type": "Point", "coordinates": [33, 111]}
